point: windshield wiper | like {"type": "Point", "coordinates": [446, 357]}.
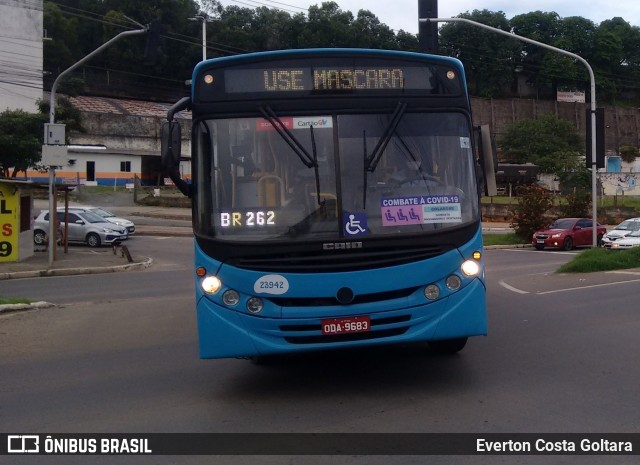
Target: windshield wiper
{"type": "Point", "coordinates": [364, 171]}
{"type": "Point", "coordinates": [373, 160]}
{"type": "Point", "coordinates": [288, 137]}
{"type": "Point", "coordinates": [310, 161]}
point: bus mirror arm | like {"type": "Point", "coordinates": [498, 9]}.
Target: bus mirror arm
{"type": "Point", "coordinates": [182, 185]}
{"type": "Point", "coordinates": [183, 104]}
{"type": "Point", "coordinates": [170, 147]}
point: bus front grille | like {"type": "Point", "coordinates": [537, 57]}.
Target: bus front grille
{"type": "Point", "coordinates": [313, 262]}
{"type": "Point", "coordinates": [331, 301]}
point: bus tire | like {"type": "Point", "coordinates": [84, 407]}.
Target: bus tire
{"type": "Point", "coordinates": [448, 346]}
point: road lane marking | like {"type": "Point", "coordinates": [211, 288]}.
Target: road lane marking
{"type": "Point", "coordinates": [555, 291]}
{"type": "Point", "coordinates": [587, 287]}
{"type": "Point", "coordinates": [511, 288]}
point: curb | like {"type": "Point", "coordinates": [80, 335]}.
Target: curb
{"type": "Point", "coordinates": [9, 308]}
{"type": "Point", "coordinates": [145, 263]}
{"type": "Point", "coordinates": [157, 232]}
{"type": "Point", "coordinates": [508, 246]}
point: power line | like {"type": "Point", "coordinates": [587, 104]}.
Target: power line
{"type": "Point", "coordinates": [261, 4]}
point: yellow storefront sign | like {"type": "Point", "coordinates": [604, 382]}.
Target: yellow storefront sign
{"type": "Point", "coordinates": [9, 229]}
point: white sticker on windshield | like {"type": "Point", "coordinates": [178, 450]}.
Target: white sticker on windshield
{"type": "Point", "coordinates": [271, 284]}
{"type": "Point", "coordinates": [317, 122]}
{"type": "Point", "coordinates": [465, 143]}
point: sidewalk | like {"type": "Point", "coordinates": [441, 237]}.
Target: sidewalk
{"type": "Point", "coordinates": [79, 260]}
{"type": "Point", "coordinates": [85, 260]}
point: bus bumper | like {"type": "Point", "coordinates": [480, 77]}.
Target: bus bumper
{"type": "Point", "coordinates": [226, 333]}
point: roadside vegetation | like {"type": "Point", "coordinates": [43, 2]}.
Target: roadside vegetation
{"type": "Point", "coordinates": [630, 201]}
{"type": "Point", "coordinates": [602, 260]}
{"type": "Point", "coordinates": [13, 300]}
{"type": "Point", "coordinates": [502, 239]}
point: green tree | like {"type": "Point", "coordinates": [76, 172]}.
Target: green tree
{"type": "Point", "coordinates": [327, 26]}
{"type": "Point", "coordinates": [576, 187]}
{"type": "Point", "coordinates": [66, 114]}
{"type": "Point", "coordinates": [629, 153]}
{"type": "Point", "coordinates": [407, 41]}
{"type": "Point", "coordinates": [488, 57]}
{"type": "Point", "coordinates": [542, 27]}
{"type": "Point", "coordinates": [549, 142]}
{"type": "Point", "coordinates": [616, 61]}
{"type": "Point", "coordinates": [576, 35]}
{"type": "Point", "coordinates": [369, 32]}
{"type": "Point", "coordinates": [61, 46]}
{"type": "Point", "coordinates": [20, 141]}
{"type": "Point", "coordinates": [529, 215]}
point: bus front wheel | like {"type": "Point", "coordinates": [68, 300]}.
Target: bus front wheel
{"type": "Point", "coordinates": [448, 346]}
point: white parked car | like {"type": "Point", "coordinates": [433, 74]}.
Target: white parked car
{"type": "Point", "coordinates": [630, 240]}
{"type": "Point", "coordinates": [107, 215]}
{"type": "Point", "coordinates": [620, 231]}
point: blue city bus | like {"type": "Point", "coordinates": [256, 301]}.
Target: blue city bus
{"type": "Point", "coordinates": [335, 202]}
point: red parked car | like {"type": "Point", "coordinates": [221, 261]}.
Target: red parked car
{"type": "Point", "coordinates": [567, 233]}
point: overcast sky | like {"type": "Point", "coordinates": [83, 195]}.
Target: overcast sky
{"type": "Point", "coordinates": [403, 14]}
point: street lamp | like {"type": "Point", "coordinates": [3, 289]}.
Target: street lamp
{"type": "Point", "coordinates": [50, 157]}
{"type": "Point", "coordinates": [204, 20]}
{"type": "Point", "coordinates": [592, 80]}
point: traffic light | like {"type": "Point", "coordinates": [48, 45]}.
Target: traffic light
{"type": "Point", "coordinates": [152, 49]}
{"type": "Point", "coordinates": [599, 138]}
{"type": "Point", "coordinates": [428, 32]}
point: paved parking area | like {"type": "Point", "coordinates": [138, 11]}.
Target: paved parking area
{"type": "Point", "coordinates": [553, 283]}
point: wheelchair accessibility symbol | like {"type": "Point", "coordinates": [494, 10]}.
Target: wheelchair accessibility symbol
{"type": "Point", "coordinates": [355, 224]}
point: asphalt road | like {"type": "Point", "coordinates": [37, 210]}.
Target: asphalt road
{"type": "Point", "coordinates": [552, 363]}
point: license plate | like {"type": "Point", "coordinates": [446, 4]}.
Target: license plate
{"type": "Point", "coordinates": [352, 324]}
{"type": "Point", "coordinates": [540, 241]}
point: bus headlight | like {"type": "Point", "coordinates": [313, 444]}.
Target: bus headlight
{"type": "Point", "coordinates": [230, 297]}
{"type": "Point", "coordinates": [453, 282]}
{"type": "Point", "coordinates": [470, 268]}
{"type": "Point", "coordinates": [432, 292]}
{"type": "Point", "coordinates": [211, 284]}
{"type": "Point", "coordinates": [255, 305]}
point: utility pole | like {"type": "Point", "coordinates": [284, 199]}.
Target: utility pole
{"type": "Point", "coordinates": [593, 103]}
{"type": "Point", "coordinates": [54, 154]}
{"type": "Point", "coordinates": [204, 20]}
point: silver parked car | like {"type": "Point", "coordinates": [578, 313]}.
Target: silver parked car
{"type": "Point", "coordinates": [620, 231]}
{"type": "Point", "coordinates": [627, 242]}
{"type": "Point", "coordinates": [107, 215]}
{"type": "Point", "coordinates": [83, 227]}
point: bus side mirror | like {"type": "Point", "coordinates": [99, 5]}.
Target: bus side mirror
{"type": "Point", "coordinates": [170, 145]}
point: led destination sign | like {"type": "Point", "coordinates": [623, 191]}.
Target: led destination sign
{"type": "Point", "coordinates": [326, 79]}
{"type": "Point", "coordinates": [328, 76]}
{"type": "Point", "coordinates": [333, 79]}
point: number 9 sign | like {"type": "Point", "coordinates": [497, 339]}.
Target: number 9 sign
{"type": "Point", "coordinates": [5, 248]}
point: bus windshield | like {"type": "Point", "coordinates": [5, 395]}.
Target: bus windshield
{"type": "Point", "coordinates": [334, 176]}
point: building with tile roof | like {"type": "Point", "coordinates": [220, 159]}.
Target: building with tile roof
{"type": "Point", "coordinates": [121, 141]}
